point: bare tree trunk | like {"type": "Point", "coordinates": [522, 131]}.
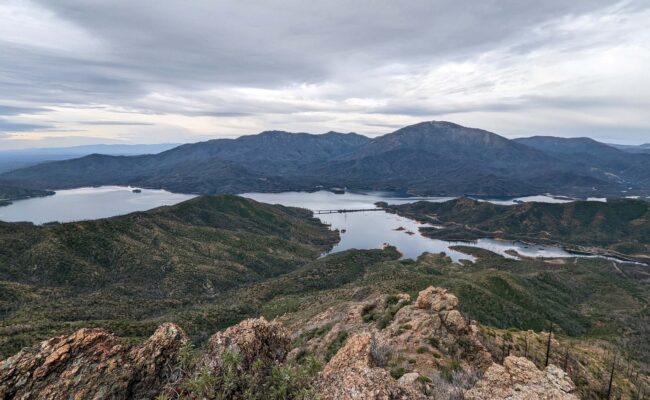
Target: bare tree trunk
{"type": "Point", "coordinates": [611, 379]}
{"type": "Point", "coordinates": [548, 345]}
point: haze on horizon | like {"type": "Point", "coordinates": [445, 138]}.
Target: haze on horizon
{"type": "Point", "coordinates": [74, 72]}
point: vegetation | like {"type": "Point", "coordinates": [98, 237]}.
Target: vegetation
{"type": "Point", "coordinates": [11, 193]}
{"type": "Point", "coordinates": [277, 381]}
{"type": "Point", "coordinates": [212, 261]}
{"type": "Point", "coordinates": [618, 226]}
{"type": "Point", "coordinates": [122, 272]}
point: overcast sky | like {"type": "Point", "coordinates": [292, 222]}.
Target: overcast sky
{"type": "Point", "coordinates": [148, 71]}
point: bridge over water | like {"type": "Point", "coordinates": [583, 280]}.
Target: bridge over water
{"type": "Point", "coordinates": [342, 211]}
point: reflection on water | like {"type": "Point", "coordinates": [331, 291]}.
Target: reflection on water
{"type": "Point", "coordinates": [367, 230]}
{"type": "Point", "coordinates": [88, 203]}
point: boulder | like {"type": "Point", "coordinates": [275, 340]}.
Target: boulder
{"type": "Point", "coordinates": [251, 339]}
{"type": "Point", "coordinates": [91, 364]}
{"type": "Point", "coordinates": [436, 299]}
{"type": "Point", "coordinates": [519, 379]}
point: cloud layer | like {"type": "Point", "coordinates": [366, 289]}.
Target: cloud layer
{"type": "Point", "coordinates": [155, 71]}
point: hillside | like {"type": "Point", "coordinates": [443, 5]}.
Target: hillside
{"type": "Point", "coordinates": [124, 269]}
{"type": "Point", "coordinates": [364, 322]}
{"type": "Point", "coordinates": [11, 193]}
{"type": "Point", "coordinates": [604, 161]}
{"type": "Point", "coordinates": [617, 226]}
{"type": "Point", "coordinates": [426, 158]}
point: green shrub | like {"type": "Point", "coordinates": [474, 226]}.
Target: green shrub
{"type": "Point", "coordinates": [335, 345]}
{"type": "Point", "coordinates": [397, 372]}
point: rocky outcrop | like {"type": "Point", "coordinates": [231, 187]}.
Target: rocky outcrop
{"type": "Point", "coordinates": [519, 379]}
{"type": "Point", "coordinates": [253, 340]}
{"type": "Point", "coordinates": [435, 318]}
{"type": "Point", "coordinates": [415, 342]}
{"type": "Point", "coordinates": [428, 332]}
{"type": "Point", "coordinates": [353, 373]}
{"type": "Point", "coordinates": [91, 364]}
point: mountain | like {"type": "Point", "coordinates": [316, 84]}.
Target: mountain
{"type": "Point", "coordinates": [598, 159]}
{"type": "Point", "coordinates": [14, 159]}
{"type": "Point", "coordinates": [426, 158]}
{"type": "Point", "coordinates": [442, 158]}
{"type": "Point", "coordinates": [256, 162]}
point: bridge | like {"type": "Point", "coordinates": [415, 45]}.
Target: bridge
{"type": "Point", "coordinates": [342, 211]}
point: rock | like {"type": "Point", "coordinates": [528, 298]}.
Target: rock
{"type": "Point", "coordinates": [519, 379]}
{"type": "Point", "coordinates": [91, 364]}
{"type": "Point", "coordinates": [436, 299]}
{"type": "Point", "coordinates": [352, 374]}
{"type": "Point", "coordinates": [408, 379]}
{"type": "Point", "coordinates": [251, 339]}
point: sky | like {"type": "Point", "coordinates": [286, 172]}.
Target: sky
{"type": "Point", "coordinates": [76, 72]}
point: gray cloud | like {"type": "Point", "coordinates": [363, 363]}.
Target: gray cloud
{"type": "Point", "coordinates": [11, 110]}
{"type": "Point", "coordinates": [115, 123]}
{"type": "Point", "coordinates": [8, 126]}
{"type": "Point", "coordinates": [365, 65]}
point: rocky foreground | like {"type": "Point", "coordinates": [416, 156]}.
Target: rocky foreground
{"type": "Point", "coordinates": [257, 359]}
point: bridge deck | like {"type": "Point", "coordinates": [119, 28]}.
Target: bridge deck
{"type": "Point", "coordinates": [346, 210]}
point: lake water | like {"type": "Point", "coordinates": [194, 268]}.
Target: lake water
{"type": "Point", "coordinates": [88, 203]}
{"type": "Point", "coordinates": [373, 229]}
{"type": "Point", "coordinates": [361, 230]}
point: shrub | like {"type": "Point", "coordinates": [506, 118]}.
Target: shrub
{"type": "Point", "coordinates": [380, 353]}
{"type": "Point", "coordinates": [292, 381]}
{"type": "Point", "coordinates": [397, 372]}
{"type": "Point", "coordinates": [447, 371]}
{"type": "Point", "coordinates": [335, 345]}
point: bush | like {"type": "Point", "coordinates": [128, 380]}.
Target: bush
{"type": "Point", "coordinates": [291, 381]}
{"type": "Point", "coordinates": [335, 345]}
{"type": "Point", "coordinates": [447, 371]}
{"type": "Point", "coordinates": [397, 372]}
{"type": "Point", "coordinates": [380, 353]}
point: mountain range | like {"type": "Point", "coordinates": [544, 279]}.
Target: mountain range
{"type": "Point", "coordinates": [428, 158]}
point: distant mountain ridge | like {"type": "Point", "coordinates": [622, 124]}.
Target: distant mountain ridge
{"type": "Point", "coordinates": [434, 158]}
{"type": "Point", "coordinates": [21, 158]}
{"type": "Point", "coordinates": [641, 148]}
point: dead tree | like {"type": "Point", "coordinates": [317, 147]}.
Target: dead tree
{"type": "Point", "coordinates": [548, 345]}
{"type": "Point", "coordinates": [611, 378]}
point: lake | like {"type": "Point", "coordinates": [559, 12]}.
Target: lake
{"type": "Point", "coordinates": [88, 203]}
{"type": "Point", "coordinates": [373, 229]}
{"type": "Point", "coordinates": [361, 230]}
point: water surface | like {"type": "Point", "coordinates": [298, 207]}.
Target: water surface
{"type": "Point", "coordinates": [88, 203]}
{"type": "Point", "coordinates": [374, 229]}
